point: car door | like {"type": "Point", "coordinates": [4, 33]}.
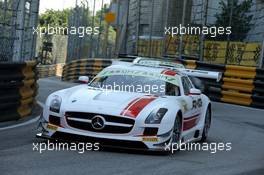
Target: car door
{"type": "Point", "coordinates": [194, 100]}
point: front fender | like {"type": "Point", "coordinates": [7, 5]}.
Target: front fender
{"type": "Point", "coordinates": [168, 120]}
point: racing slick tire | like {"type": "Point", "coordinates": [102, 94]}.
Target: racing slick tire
{"type": "Point", "coordinates": [207, 125]}
{"type": "Point", "coordinates": [176, 133]}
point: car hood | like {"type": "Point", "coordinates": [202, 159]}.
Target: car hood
{"type": "Point", "coordinates": [88, 99]}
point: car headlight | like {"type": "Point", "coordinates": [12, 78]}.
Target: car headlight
{"type": "Point", "coordinates": [55, 104]}
{"type": "Point", "coordinates": [156, 116]}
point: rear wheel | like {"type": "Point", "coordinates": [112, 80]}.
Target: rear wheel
{"type": "Point", "coordinates": [207, 125]}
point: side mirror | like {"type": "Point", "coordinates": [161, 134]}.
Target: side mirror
{"type": "Point", "coordinates": [194, 91]}
{"type": "Point", "coordinates": [83, 79]}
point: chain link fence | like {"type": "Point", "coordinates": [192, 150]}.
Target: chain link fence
{"type": "Point", "coordinates": [146, 22]}
{"type": "Point", "coordinates": [17, 19]}
{"type": "Point", "coordinates": [84, 15]}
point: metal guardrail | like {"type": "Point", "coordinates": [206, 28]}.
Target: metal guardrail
{"type": "Point", "coordinates": [45, 71]}
{"type": "Point", "coordinates": [18, 89]}
{"type": "Point", "coordinates": [87, 67]}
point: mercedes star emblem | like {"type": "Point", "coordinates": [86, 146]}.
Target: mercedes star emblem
{"type": "Point", "coordinates": [98, 122]}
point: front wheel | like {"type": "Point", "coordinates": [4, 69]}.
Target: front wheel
{"type": "Point", "coordinates": [207, 125]}
{"type": "Point", "coordinates": [176, 133]}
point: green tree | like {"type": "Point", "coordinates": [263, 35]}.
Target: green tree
{"type": "Point", "coordinates": [60, 18]}
{"type": "Point", "coordinates": [55, 18]}
{"type": "Point", "coordinates": [240, 18]}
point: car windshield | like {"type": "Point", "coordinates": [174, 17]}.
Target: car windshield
{"type": "Point", "coordinates": [138, 84]}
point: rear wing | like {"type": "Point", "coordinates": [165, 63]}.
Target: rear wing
{"type": "Point", "coordinates": [157, 63]}
{"type": "Point", "coordinates": [202, 74]}
{"type": "Point", "coordinates": [179, 67]}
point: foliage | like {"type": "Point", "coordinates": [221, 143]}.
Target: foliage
{"type": "Point", "coordinates": [55, 18]}
{"type": "Point", "coordinates": [240, 22]}
{"type": "Point", "coordinates": [61, 19]}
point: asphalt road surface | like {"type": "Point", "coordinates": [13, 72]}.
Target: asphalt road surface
{"type": "Point", "coordinates": [241, 126]}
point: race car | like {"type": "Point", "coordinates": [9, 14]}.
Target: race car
{"type": "Point", "coordinates": [130, 105]}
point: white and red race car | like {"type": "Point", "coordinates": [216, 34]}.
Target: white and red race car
{"type": "Point", "coordinates": [133, 105]}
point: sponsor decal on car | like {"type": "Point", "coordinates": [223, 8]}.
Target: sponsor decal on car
{"type": "Point", "coordinates": [155, 63]}
{"type": "Point", "coordinates": [150, 139]}
{"type": "Point", "coordinates": [167, 78]}
{"type": "Point", "coordinates": [137, 105]}
{"type": "Point", "coordinates": [52, 127]}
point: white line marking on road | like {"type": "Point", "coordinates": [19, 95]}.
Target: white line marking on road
{"type": "Point", "coordinates": [25, 123]}
{"type": "Point", "coordinates": [21, 124]}
{"type": "Point", "coordinates": [40, 104]}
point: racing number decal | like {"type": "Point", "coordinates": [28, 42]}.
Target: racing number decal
{"type": "Point", "coordinates": [197, 103]}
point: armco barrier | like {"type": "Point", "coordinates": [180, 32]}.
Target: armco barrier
{"type": "Point", "coordinates": [87, 67]}
{"type": "Point", "coordinates": [18, 89]}
{"type": "Point", "coordinates": [46, 71]}
{"type": "Point", "coordinates": [59, 69]}
{"type": "Point", "coordinates": [49, 70]}
{"type": "Point", "coordinates": [239, 85]}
